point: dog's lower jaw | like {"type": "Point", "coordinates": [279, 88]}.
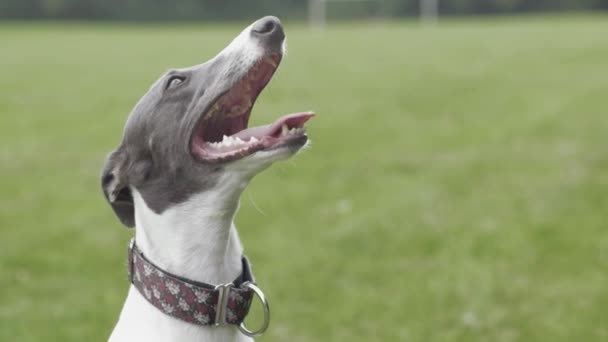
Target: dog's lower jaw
{"type": "Point", "coordinates": [195, 239]}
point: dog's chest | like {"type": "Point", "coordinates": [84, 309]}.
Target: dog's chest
{"type": "Point", "coordinates": [140, 321]}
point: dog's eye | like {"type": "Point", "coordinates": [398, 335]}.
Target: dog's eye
{"type": "Point", "coordinates": [174, 81]}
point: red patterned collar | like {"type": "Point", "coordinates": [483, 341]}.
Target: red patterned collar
{"type": "Point", "coordinates": [196, 302]}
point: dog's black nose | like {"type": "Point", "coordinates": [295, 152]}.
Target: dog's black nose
{"type": "Point", "coordinates": [266, 25]}
{"type": "Point", "coordinates": [269, 30]}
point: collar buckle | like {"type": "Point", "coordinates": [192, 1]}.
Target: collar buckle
{"type": "Point", "coordinates": [222, 303]}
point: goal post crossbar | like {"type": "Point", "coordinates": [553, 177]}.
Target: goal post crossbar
{"type": "Point", "coordinates": [317, 10]}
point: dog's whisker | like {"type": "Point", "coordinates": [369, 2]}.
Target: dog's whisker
{"type": "Point", "coordinates": [254, 204]}
{"type": "Point", "coordinates": [281, 168]}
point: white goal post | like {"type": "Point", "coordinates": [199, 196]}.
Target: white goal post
{"type": "Point", "coordinates": [429, 11]}
{"type": "Point", "coordinates": [317, 11]}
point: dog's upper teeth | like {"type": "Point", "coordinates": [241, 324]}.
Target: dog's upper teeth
{"type": "Point", "coordinates": [284, 129]}
{"type": "Point", "coordinates": [236, 110]}
{"type": "Point", "coordinates": [253, 140]}
{"type": "Point", "coordinates": [271, 62]}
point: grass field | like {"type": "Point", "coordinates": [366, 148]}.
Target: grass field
{"type": "Point", "coordinates": [456, 188]}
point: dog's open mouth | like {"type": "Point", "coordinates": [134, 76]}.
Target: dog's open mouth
{"type": "Point", "coordinates": [222, 134]}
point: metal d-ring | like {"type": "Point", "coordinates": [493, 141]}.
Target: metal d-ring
{"type": "Point", "coordinates": [264, 301]}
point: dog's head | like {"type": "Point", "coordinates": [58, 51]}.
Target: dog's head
{"type": "Point", "coordinates": [189, 131]}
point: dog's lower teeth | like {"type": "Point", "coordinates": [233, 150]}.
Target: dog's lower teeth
{"type": "Point", "coordinates": [239, 145]}
{"type": "Point", "coordinates": [285, 130]}
{"type": "Point", "coordinates": [229, 141]}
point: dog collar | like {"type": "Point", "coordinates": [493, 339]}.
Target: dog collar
{"type": "Point", "coordinates": [193, 301]}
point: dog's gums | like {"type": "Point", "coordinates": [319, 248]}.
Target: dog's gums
{"type": "Point", "coordinates": [222, 135]}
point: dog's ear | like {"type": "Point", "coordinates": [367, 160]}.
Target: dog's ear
{"type": "Point", "coordinates": [115, 186]}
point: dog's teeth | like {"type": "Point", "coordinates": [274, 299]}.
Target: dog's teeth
{"type": "Point", "coordinates": [239, 141]}
{"type": "Point", "coordinates": [284, 129]}
{"type": "Point", "coordinates": [253, 140]}
{"type": "Point", "coordinates": [271, 62]}
{"type": "Point", "coordinates": [234, 111]}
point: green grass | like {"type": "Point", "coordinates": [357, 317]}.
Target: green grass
{"type": "Point", "coordinates": [456, 188]}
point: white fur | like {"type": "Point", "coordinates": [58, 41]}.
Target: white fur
{"type": "Point", "coordinates": [196, 239]}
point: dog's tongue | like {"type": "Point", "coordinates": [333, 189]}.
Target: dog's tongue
{"type": "Point", "coordinates": [295, 120]}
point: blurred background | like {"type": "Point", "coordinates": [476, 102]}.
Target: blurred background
{"type": "Point", "coordinates": [455, 189]}
{"type": "Point", "coordinates": [218, 10]}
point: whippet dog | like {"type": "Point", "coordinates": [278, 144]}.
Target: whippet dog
{"type": "Point", "coordinates": [185, 157]}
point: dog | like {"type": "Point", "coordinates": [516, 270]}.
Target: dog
{"type": "Point", "coordinates": [185, 157]}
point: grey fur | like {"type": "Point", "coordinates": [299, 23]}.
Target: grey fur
{"type": "Point", "coordinates": [154, 155]}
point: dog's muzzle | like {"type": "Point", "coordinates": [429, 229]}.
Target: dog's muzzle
{"type": "Point", "coordinates": [195, 302]}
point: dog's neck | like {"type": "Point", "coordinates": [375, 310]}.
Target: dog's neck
{"type": "Point", "coordinates": [195, 239]}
